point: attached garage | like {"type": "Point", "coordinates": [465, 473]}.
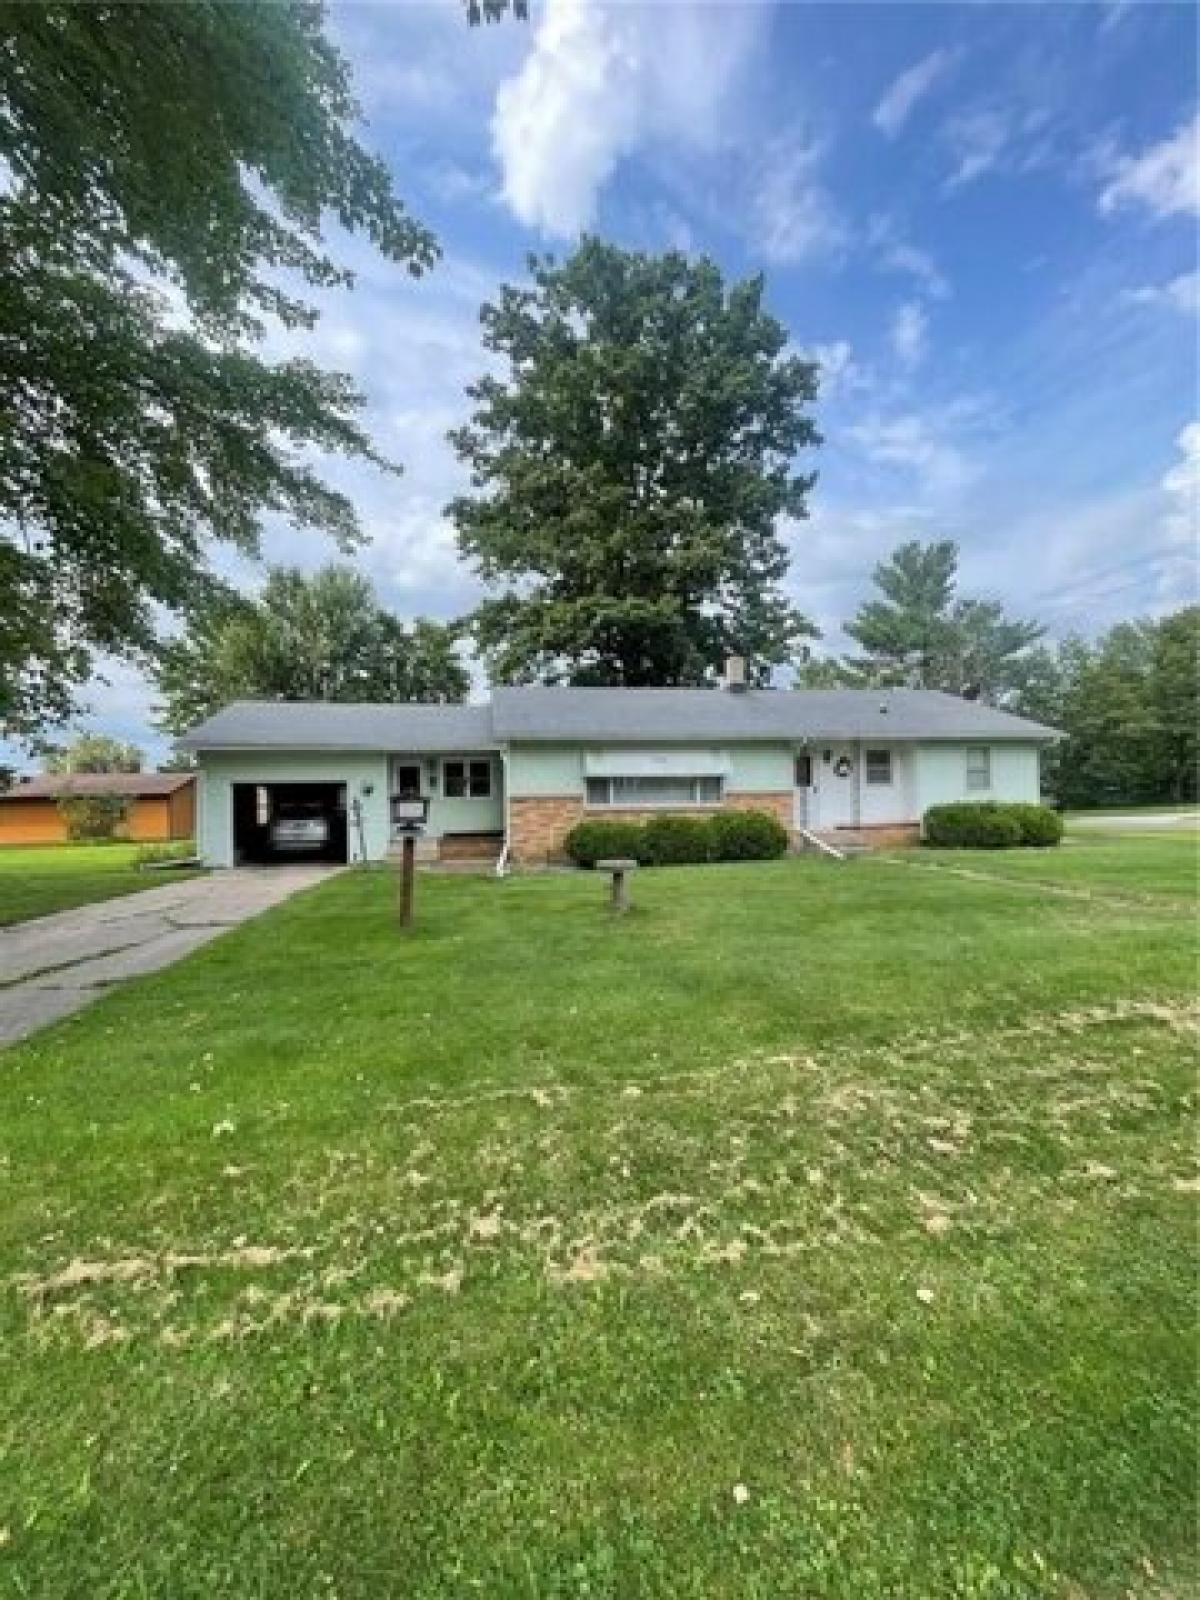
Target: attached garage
{"type": "Point", "coordinates": [289, 821]}
{"type": "Point", "coordinates": [261, 807]}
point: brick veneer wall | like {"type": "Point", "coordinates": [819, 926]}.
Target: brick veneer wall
{"type": "Point", "coordinates": [882, 833]}
{"type": "Point", "coordinates": [538, 826]}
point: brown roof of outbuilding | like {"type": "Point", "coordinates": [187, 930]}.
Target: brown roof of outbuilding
{"type": "Point", "coordinates": [67, 785]}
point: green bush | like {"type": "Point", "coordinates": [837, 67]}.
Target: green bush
{"type": "Point", "coordinates": [1040, 826]}
{"type": "Point", "coordinates": [676, 841]}
{"type": "Point", "coordinates": [153, 855]}
{"type": "Point", "coordinates": [973, 825]}
{"type": "Point", "coordinates": [589, 842]}
{"type": "Point", "coordinates": [746, 836]}
{"type": "Point", "coordinates": [94, 817]}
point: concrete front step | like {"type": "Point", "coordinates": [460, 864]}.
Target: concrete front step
{"type": "Point", "coordinates": [841, 840]}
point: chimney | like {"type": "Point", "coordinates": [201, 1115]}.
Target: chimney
{"type": "Point", "coordinates": [735, 674]}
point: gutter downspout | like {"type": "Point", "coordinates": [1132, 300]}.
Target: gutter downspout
{"type": "Point", "coordinates": [502, 861]}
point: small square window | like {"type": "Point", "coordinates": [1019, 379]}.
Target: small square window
{"type": "Point", "coordinates": [598, 792]}
{"type": "Point", "coordinates": [462, 780]}
{"type": "Point", "coordinates": [879, 767]}
{"type": "Point", "coordinates": [979, 767]}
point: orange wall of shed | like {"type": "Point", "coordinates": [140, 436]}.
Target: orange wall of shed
{"type": "Point", "coordinates": [153, 819]}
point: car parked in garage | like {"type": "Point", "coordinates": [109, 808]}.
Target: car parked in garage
{"type": "Point", "coordinates": [300, 827]}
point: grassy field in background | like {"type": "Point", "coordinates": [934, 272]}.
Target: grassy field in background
{"type": "Point", "coordinates": [36, 880]}
{"type": "Point", "coordinates": [817, 1230]}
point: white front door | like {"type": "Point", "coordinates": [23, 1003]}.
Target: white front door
{"type": "Point", "coordinates": [836, 786]}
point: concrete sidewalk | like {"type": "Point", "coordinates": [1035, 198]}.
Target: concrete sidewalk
{"type": "Point", "coordinates": [56, 965]}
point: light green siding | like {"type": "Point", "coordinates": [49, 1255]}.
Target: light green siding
{"type": "Point", "coordinates": [464, 814]}
{"type": "Point", "coordinates": [220, 770]}
{"type": "Point", "coordinates": [759, 768]}
{"type": "Point", "coordinates": [536, 770]}
{"type": "Point", "coordinates": [942, 774]}
{"type": "Point", "coordinates": [555, 769]}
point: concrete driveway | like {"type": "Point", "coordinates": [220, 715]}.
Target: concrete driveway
{"type": "Point", "coordinates": [55, 965]}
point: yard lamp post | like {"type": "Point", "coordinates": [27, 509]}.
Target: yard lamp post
{"type": "Point", "coordinates": [408, 820]}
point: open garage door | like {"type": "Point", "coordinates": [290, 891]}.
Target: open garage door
{"type": "Point", "coordinates": [282, 822]}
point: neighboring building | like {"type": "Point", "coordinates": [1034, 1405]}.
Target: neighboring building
{"type": "Point", "coordinates": [515, 774]}
{"type": "Point", "coordinates": [162, 805]}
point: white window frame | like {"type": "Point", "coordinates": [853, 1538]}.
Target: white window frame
{"type": "Point", "coordinates": [978, 780]}
{"type": "Point", "coordinates": [593, 785]}
{"type": "Point", "coordinates": [466, 763]}
{"type": "Point", "coordinates": [872, 780]}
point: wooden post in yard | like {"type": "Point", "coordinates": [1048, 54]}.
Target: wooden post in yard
{"type": "Point", "coordinates": [408, 872]}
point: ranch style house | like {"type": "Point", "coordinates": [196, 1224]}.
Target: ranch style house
{"type": "Point", "coordinates": [507, 779]}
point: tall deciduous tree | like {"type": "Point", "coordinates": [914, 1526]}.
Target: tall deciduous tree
{"type": "Point", "coordinates": [318, 637]}
{"type": "Point", "coordinates": [94, 752]}
{"type": "Point", "coordinates": [196, 149]}
{"type": "Point", "coordinates": [922, 633]}
{"type": "Point", "coordinates": [1129, 706]}
{"type": "Point", "coordinates": [629, 466]}
{"type": "Point", "coordinates": [1176, 680]}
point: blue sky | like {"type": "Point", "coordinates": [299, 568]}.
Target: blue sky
{"type": "Point", "coordinates": [981, 219]}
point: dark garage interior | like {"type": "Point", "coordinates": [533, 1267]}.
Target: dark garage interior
{"type": "Point", "coordinates": [280, 822]}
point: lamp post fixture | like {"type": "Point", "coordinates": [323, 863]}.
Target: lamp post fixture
{"type": "Point", "coordinates": [408, 820]}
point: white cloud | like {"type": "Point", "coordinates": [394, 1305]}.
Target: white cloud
{"type": "Point", "coordinates": [896, 254]}
{"type": "Point", "coordinates": [978, 140]}
{"type": "Point", "coordinates": [920, 265]}
{"type": "Point", "coordinates": [561, 125]}
{"type": "Point", "coordinates": [902, 95]}
{"type": "Point", "coordinates": [916, 446]}
{"type": "Point", "coordinates": [910, 327]}
{"type": "Point", "coordinates": [792, 216]}
{"type": "Point", "coordinates": [1164, 179]}
{"type": "Point", "coordinates": [1182, 484]}
{"type": "Point", "coordinates": [1177, 294]}
{"type": "Point", "coordinates": [601, 81]}
{"type": "Point", "coordinates": [840, 373]}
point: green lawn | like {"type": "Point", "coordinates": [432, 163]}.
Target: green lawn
{"type": "Point", "coordinates": [38, 879]}
{"type": "Point", "coordinates": [1156, 864]}
{"type": "Point", "coordinates": [816, 1230]}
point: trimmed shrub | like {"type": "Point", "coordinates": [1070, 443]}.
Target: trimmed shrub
{"type": "Point", "coordinates": [746, 836]}
{"type": "Point", "coordinates": [972, 825]}
{"type": "Point", "coordinates": [676, 841]}
{"type": "Point", "coordinates": [1040, 826]}
{"type": "Point", "coordinates": [589, 842]}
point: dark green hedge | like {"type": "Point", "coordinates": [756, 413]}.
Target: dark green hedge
{"type": "Point", "coordinates": [589, 842]}
{"type": "Point", "coordinates": [669, 839]}
{"type": "Point", "coordinates": [746, 836]}
{"type": "Point", "coordinates": [991, 825]}
{"type": "Point", "coordinates": [676, 841]}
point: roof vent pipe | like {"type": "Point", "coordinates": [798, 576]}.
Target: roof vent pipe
{"type": "Point", "coordinates": [735, 674]}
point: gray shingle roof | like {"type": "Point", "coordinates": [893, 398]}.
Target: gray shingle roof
{"type": "Point", "coordinates": [621, 716]}
{"type": "Point", "coordinates": [679, 715]}
{"type": "Point", "coordinates": [317, 725]}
